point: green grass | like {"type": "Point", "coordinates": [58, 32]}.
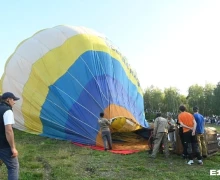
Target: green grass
{"type": "Point", "coordinates": [49, 159]}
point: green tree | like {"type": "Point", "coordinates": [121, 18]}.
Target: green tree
{"type": "Point", "coordinates": [153, 101]}
{"type": "Point", "coordinates": [216, 100]}
{"type": "Point", "coordinates": [172, 100]}
{"type": "Point", "coordinates": [207, 108]}
{"type": "Point", "coordinates": [183, 100]}
{"type": "Point", "coordinates": [196, 97]}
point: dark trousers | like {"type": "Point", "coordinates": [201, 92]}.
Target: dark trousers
{"type": "Point", "coordinates": [182, 141]}
{"type": "Point", "coordinates": [192, 145]}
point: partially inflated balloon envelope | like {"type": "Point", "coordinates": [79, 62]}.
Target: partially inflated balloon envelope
{"type": "Point", "coordinates": [65, 76]}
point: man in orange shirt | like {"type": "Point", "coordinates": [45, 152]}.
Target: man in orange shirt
{"type": "Point", "coordinates": [188, 123]}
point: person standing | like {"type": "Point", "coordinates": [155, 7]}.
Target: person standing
{"type": "Point", "coordinates": [200, 129]}
{"type": "Point", "coordinates": [8, 151]}
{"type": "Point", "coordinates": [160, 134]}
{"type": "Point", "coordinates": [106, 134]}
{"type": "Point", "coordinates": [188, 123]}
{"type": "Point", "coordinates": [180, 133]}
{"type": "Point", "coordinates": [171, 131]}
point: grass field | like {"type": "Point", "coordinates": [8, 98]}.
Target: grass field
{"type": "Point", "coordinates": [49, 159]}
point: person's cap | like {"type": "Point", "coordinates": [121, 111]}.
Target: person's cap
{"type": "Point", "coordinates": [7, 95]}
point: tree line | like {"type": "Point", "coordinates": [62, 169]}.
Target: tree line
{"type": "Point", "coordinates": [207, 98]}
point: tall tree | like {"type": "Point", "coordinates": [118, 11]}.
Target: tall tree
{"type": "Point", "coordinates": [172, 100]}
{"type": "Point", "coordinates": [208, 99]}
{"type": "Point", "coordinates": [216, 100]}
{"type": "Point", "coordinates": [196, 97]}
{"type": "Point", "coordinates": [153, 100]}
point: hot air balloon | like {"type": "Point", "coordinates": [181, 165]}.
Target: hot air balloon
{"type": "Point", "coordinates": [65, 76]}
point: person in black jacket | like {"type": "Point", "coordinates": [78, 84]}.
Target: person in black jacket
{"type": "Point", "coordinates": [8, 151]}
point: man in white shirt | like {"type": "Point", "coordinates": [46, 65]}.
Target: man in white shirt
{"type": "Point", "coordinates": [8, 151]}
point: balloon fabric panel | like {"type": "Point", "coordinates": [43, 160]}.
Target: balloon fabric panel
{"type": "Point", "coordinates": [65, 76]}
{"type": "Point", "coordinates": [85, 96]}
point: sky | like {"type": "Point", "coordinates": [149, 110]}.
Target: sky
{"type": "Point", "coordinates": [169, 43]}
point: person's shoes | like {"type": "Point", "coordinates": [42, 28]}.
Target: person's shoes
{"type": "Point", "coordinates": [152, 156]}
{"type": "Point", "coordinates": [200, 162]}
{"type": "Point", "coordinates": [184, 156]}
{"type": "Point", "coordinates": [190, 162]}
{"type": "Point", "coordinates": [106, 149]}
{"type": "Point", "coordinates": [204, 156]}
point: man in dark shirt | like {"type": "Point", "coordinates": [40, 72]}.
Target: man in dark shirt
{"type": "Point", "coordinates": [8, 151]}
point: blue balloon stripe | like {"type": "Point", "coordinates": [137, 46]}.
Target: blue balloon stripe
{"type": "Point", "coordinates": [91, 119]}
{"type": "Point", "coordinates": [91, 84]}
{"type": "Point", "coordinates": [84, 71]}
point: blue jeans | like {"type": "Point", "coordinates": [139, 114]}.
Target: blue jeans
{"type": "Point", "coordinates": [11, 163]}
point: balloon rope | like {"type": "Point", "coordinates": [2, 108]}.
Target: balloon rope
{"type": "Point", "coordinates": [70, 130]}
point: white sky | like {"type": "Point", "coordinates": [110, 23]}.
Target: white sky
{"type": "Point", "coordinates": [188, 54]}
{"type": "Point", "coordinates": [168, 42]}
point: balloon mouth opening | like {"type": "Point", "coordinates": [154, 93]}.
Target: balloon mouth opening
{"type": "Point", "coordinates": [123, 124]}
